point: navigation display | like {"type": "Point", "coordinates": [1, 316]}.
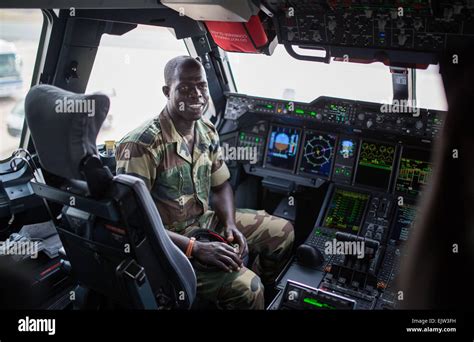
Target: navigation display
{"type": "Point", "coordinates": [282, 148]}
{"type": "Point", "coordinates": [346, 210]}
{"type": "Point", "coordinates": [375, 165]}
{"type": "Point", "coordinates": [317, 153]}
{"type": "Point", "coordinates": [414, 171]}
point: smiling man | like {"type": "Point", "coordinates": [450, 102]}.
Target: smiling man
{"type": "Point", "coordinates": [177, 155]}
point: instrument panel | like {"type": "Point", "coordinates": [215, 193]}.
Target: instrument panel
{"type": "Point", "coordinates": [369, 168]}
{"type": "Point", "coordinates": [341, 115]}
{"type": "Point", "coordinates": [329, 148]}
{"type": "Point", "coordinates": [375, 30]}
{"type": "Point", "coordinates": [309, 158]}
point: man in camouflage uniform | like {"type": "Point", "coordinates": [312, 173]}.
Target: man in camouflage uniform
{"type": "Point", "coordinates": [177, 155]}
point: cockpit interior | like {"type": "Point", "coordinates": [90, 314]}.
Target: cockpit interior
{"type": "Point", "coordinates": [352, 120]}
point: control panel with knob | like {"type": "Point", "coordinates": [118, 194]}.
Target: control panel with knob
{"type": "Point", "coordinates": [297, 296]}
{"type": "Point", "coordinates": [422, 26]}
{"type": "Point", "coordinates": [348, 115]}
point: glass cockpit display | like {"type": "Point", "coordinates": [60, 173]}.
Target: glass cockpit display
{"type": "Point", "coordinates": [317, 153]}
{"type": "Point", "coordinates": [347, 147]}
{"type": "Point", "coordinates": [344, 161]}
{"type": "Point", "coordinates": [346, 210]}
{"type": "Point", "coordinates": [282, 148]}
{"type": "Point", "coordinates": [375, 164]}
{"type": "Point", "coordinates": [414, 172]}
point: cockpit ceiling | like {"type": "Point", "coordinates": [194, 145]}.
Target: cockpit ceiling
{"type": "Point", "coordinates": [91, 4]}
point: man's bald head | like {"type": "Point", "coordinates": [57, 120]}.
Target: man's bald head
{"type": "Point", "coordinates": [176, 64]}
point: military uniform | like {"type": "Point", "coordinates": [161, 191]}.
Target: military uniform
{"type": "Point", "coordinates": [180, 182]}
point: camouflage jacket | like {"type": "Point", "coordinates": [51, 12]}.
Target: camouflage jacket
{"type": "Point", "coordinates": [179, 181]}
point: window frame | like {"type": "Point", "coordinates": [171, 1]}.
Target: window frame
{"type": "Point", "coordinates": [49, 18]}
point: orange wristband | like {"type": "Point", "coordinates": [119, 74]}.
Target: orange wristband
{"type": "Point", "coordinates": [189, 249]}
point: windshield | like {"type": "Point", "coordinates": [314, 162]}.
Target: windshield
{"type": "Point", "coordinates": [129, 68]}
{"type": "Point", "coordinates": [20, 32]}
{"type": "Point", "coordinates": [284, 77]}
{"type": "Point", "coordinates": [19, 109]}
{"type": "Point", "coordinates": [8, 65]}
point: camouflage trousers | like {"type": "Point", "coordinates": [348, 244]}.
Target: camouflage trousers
{"type": "Point", "coordinates": [270, 240]}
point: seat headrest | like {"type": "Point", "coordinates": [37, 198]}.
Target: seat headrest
{"type": "Point", "coordinates": [64, 127]}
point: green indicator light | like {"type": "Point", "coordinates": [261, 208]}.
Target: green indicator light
{"type": "Point", "coordinates": [313, 113]}
{"type": "Point", "coordinates": [269, 106]}
{"type": "Point", "coordinates": [368, 164]}
{"type": "Point", "coordinates": [315, 302]}
{"type": "Point", "coordinates": [257, 139]}
{"type": "Point", "coordinates": [299, 111]}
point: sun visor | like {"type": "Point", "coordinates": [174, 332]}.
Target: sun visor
{"type": "Point", "coordinates": [214, 10]}
{"type": "Point", "coordinates": [248, 37]}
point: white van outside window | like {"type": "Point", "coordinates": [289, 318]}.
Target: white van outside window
{"type": "Point", "coordinates": [11, 81]}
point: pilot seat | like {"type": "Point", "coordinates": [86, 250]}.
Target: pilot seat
{"type": "Point", "coordinates": [112, 233]}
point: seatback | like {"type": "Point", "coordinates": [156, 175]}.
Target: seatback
{"type": "Point", "coordinates": [110, 227]}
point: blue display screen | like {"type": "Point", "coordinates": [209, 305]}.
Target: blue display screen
{"type": "Point", "coordinates": [282, 149]}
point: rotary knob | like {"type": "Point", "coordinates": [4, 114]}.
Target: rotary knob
{"type": "Point", "coordinates": [369, 123]}
{"type": "Point", "coordinates": [361, 116]}
{"type": "Point", "coordinates": [418, 124]}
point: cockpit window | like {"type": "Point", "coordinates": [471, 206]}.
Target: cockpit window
{"type": "Point", "coordinates": [129, 69]}
{"type": "Point", "coordinates": [284, 77]}
{"type": "Point", "coordinates": [20, 31]}
{"type": "Point", "coordinates": [430, 90]}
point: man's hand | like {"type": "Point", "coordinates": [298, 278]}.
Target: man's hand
{"type": "Point", "coordinates": [232, 234]}
{"type": "Point", "coordinates": [223, 205]}
{"type": "Point", "coordinates": [217, 254]}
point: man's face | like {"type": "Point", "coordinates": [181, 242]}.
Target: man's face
{"type": "Point", "coordinates": [188, 93]}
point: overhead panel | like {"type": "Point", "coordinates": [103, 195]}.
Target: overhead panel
{"type": "Point", "coordinates": [90, 4]}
